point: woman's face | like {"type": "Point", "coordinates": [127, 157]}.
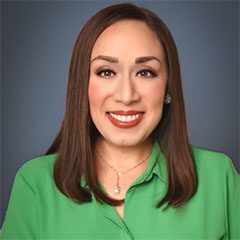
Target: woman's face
{"type": "Point", "coordinates": [127, 83]}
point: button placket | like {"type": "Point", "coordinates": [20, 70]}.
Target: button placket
{"type": "Point", "coordinates": [110, 213]}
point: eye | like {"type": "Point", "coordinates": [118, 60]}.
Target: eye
{"type": "Point", "coordinates": [105, 73]}
{"type": "Point", "coordinates": [147, 73]}
{"type": "Point", "coordinates": [108, 73]}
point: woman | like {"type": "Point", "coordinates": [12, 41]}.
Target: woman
{"type": "Point", "coordinates": [122, 166]}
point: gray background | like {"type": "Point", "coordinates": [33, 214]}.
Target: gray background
{"type": "Point", "coordinates": [37, 38]}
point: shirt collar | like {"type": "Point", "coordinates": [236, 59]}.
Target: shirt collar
{"type": "Point", "coordinates": [156, 164]}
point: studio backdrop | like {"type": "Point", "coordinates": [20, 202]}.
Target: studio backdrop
{"type": "Point", "coordinates": [37, 38]}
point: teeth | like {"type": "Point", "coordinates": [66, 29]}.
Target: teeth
{"type": "Point", "coordinates": [123, 118]}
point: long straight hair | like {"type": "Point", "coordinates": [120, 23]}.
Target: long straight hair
{"type": "Point", "coordinates": [76, 139]}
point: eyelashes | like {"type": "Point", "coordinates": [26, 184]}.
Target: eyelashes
{"type": "Point", "coordinates": [108, 73]}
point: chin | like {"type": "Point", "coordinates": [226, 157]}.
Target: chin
{"type": "Point", "coordinates": [126, 142]}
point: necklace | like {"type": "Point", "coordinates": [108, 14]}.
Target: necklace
{"type": "Point", "coordinates": [116, 187]}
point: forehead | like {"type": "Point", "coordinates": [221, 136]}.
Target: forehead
{"type": "Point", "coordinates": [128, 38]}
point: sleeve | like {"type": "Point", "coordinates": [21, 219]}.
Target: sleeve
{"type": "Point", "coordinates": [233, 201]}
{"type": "Point", "coordinates": [21, 220]}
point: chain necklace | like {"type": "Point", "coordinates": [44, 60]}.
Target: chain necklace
{"type": "Point", "coordinates": [116, 187]}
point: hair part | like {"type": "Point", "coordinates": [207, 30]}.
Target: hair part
{"type": "Point", "coordinates": [76, 139]}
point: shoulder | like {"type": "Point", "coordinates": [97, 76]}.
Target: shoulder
{"type": "Point", "coordinates": [214, 162]}
{"type": "Point", "coordinates": [210, 156]}
{"type": "Point", "coordinates": [42, 164]}
{"type": "Point", "coordinates": [39, 169]}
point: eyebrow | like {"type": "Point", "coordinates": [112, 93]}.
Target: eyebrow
{"type": "Point", "coordinates": [137, 60]}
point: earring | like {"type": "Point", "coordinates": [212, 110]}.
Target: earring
{"type": "Point", "coordinates": [167, 99]}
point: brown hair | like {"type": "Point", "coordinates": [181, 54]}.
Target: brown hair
{"type": "Point", "coordinates": [75, 141]}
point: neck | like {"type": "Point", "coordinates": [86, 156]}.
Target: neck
{"type": "Point", "coordinates": [122, 157]}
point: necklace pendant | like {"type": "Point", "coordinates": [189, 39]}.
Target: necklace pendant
{"type": "Point", "coordinates": [117, 189]}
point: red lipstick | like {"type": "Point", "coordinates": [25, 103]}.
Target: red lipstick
{"type": "Point", "coordinates": [125, 124]}
{"type": "Point", "coordinates": [130, 112]}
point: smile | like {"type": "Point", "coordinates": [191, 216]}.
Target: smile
{"type": "Point", "coordinates": [125, 119]}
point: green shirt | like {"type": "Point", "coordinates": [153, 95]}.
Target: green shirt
{"type": "Point", "coordinates": [38, 210]}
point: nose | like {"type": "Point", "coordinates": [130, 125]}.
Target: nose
{"type": "Point", "coordinates": [126, 91]}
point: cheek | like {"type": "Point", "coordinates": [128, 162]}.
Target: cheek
{"type": "Point", "coordinates": [97, 93]}
{"type": "Point", "coordinates": [93, 94]}
{"type": "Point", "coordinates": [155, 94]}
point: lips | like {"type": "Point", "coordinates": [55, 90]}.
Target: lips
{"type": "Point", "coordinates": [130, 112]}
{"type": "Point", "coordinates": [125, 119]}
